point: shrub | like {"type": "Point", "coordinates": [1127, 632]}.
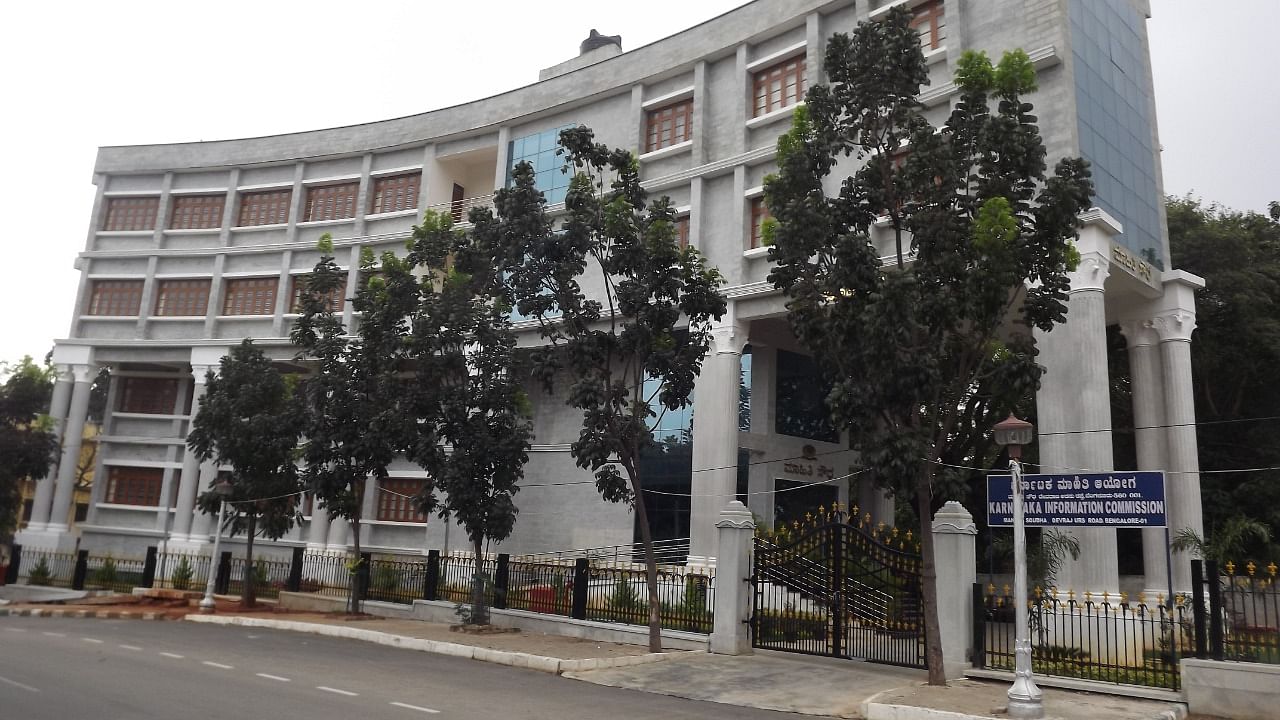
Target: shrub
{"type": "Point", "coordinates": [40, 574]}
{"type": "Point", "coordinates": [625, 600]}
{"type": "Point", "coordinates": [181, 577]}
{"type": "Point", "coordinates": [106, 575]}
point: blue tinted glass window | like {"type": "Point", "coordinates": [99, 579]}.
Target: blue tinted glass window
{"type": "Point", "coordinates": [1114, 115]}
{"type": "Point", "coordinates": [801, 400]}
{"type": "Point", "coordinates": [744, 392]}
{"type": "Point", "coordinates": [539, 150]}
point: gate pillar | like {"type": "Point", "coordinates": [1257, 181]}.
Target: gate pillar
{"type": "Point", "coordinates": [731, 633]}
{"type": "Point", "coordinates": [955, 563]}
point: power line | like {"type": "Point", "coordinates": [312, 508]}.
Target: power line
{"type": "Point", "coordinates": [1162, 427]}
{"type": "Point", "coordinates": [1095, 470]}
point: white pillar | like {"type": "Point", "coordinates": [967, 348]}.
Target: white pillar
{"type": "Point", "coordinates": [318, 531]}
{"type": "Point", "coordinates": [954, 535]}
{"type": "Point", "coordinates": [339, 535]}
{"type": "Point", "coordinates": [1147, 387]}
{"type": "Point", "coordinates": [41, 505]}
{"type": "Point", "coordinates": [1182, 485]}
{"type": "Point", "coordinates": [189, 482]}
{"type": "Point", "coordinates": [715, 438]}
{"type": "Point", "coordinates": [1073, 405]}
{"type": "Point", "coordinates": [64, 490]}
{"type": "Point", "coordinates": [202, 523]}
{"type": "Point", "coordinates": [730, 634]}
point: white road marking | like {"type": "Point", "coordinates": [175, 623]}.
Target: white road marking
{"type": "Point", "coordinates": [95, 641]}
{"type": "Point", "coordinates": [54, 634]}
{"type": "Point", "coordinates": [16, 629]}
{"type": "Point", "coordinates": [336, 690]}
{"type": "Point", "coordinates": [253, 637]}
{"type": "Point", "coordinates": [175, 656]}
{"type": "Point", "coordinates": [17, 684]}
{"type": "Point", "coordinates": [130, 647]}
{"type": "Point", "coordinates": [217, 665]}
{"type": "Point", "coordinates": [273, 677]}
{"type": "Point", "coordinates": [416, 707]}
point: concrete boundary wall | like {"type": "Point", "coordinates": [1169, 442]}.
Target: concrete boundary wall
{"type": "Point", "coordinates": [1242, 691]}
{"type": "Point", "coordinates": [444, 612]}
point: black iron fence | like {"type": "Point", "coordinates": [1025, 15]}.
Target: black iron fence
{"type": "Point", "coordinates": [1107, 638]}
{"type": "Point", "coordinates": [578, 588]}
{"type": "Point", "coordinates": [1237, 611]}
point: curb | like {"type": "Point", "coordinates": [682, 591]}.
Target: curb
{"type": "Point", "coordinates": [541, 663]}
{"type": "Point", "coordinates": [111, 614]}
{"type": "Point", "coordinates": [872, 710]}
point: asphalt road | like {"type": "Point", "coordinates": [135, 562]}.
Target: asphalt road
{"type": "Point", "coordinates": [93, 669]}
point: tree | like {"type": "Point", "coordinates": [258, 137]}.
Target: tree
{"type": "Point", "coordinates": [1235, 359]}
{"type": "Point", "coordinates": [465, 351]}
{"type": "Point", "coordinates": [653, 321]}
{"type": "Point", "coordinates": [1233, 539]}
{"type": "Point", "coordinates": [354, 404]}
{"type": "Point", "coordinates": [936, 346]}
{"type": "Point", "coordinates": [28, 446]}
{"type": "Point", "coordinates": [246, 421]}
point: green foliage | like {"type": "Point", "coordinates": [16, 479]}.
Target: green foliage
{"type": "Point", "coordinates": [386, 578]}
{"type": "Point", "coordinates": [40, 574]}
{"type": "Point", "coordinates": [652, 323]}
{"type": "Point", "coordinates": [1236, 360]}
{"type": "Point", "coordinates": [982, 238]}
{"type": "Point", "coordinates": [625, 598]}
{"type": "Point", "coordinates": [182, 574]}
{"type": "Point", "coordinates": [247, 420]}
{"type": "Point", "coordinates": [107, 575]}
{"type": "Point", "coordinates": [1234, 539]}
{"type": "Point", "coordinates": [27, 443]}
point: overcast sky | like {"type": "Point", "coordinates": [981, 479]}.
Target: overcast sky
{"type": "Point", "coordinates": [116, 73]}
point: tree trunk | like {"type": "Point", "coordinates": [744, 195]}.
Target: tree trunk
{"type": "Point", "coordinates": [479, 610]}
{"type": "Point", "coordinates": [650, 572]}
{"type": "Point", "coordinates": [249, 595]}
{"type": "Point", "coordinates": [929, 582]}
{"type": "Point", "coordinates": [353, 589]}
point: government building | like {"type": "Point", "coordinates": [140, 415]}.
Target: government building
{"type": "Point", "coordinates": [193, 246]}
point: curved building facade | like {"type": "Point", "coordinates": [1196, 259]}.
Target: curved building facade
{"type": "Point", "coordinates": [193, 246]}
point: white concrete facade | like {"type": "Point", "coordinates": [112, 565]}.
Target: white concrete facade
{"type": "Point", "coordinates": [713, 177]}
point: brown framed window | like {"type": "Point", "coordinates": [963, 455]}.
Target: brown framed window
{"type": "Point", "coordinates": [131, 213]}
{"type": "Point", "coordinates": [759, 213]}
{"type": "Point", "coordinates": [778, 86]}
{"type": "Point", "coordinates": [250, 296]}
{"type": "Point", "coordinates": [151, 395]}
{"type": "Point", "coordinates": [134, 486]}
{"type": "Point", "coordinates": [682, 231]}
{"type": "Point", "coordinates": [669, 125]}
{"type": "Point", "coordinates": [929, 20]}
{"type": "Point", "coordinates": [298, 285]}
{"type": "Point", "coordinates": [196, 212]}
{"type": "Point", "coordinates": [395, 500]}
{"type": "Point", "coordinates": [115, 297]}
{"type": "Point", "coordinates": [267, 207]}
{"type": "Point", "coordinates": [331, 202]}
{"type": "Point", "coordinates": [180, 298]}
{"type": "Point", "coordinates": [393, 193]}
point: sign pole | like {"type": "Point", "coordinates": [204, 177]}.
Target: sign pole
{"type": "Point", "coordinates": [1025, 699]}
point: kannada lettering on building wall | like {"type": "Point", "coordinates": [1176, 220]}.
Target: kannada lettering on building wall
{"type": "Point", "coordinates": [1119, 499]}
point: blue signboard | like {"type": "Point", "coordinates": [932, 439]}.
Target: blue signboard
{"type": "Point", "coordinates": [1114, 499]}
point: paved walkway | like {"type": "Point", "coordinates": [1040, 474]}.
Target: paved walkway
{"type": "Point", "coordinates": [766, 680]}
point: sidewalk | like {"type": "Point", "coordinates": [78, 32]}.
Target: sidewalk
{"type": "Point", "coordinates": [767, 680]}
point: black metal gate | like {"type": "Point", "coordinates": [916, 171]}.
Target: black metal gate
{"type": "Point", "coordinates": [839, 588]}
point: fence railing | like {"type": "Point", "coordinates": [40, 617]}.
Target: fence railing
{"type": "Point", "coordinates": [667, 552]}
{"type": "Point", "coordinates": [580, 588]}
{"type": "Point", "coordinates": [1237, 611]}
{"type": "Point", "coordinates": [1106, 638]}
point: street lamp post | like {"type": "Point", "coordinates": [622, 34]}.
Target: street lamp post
{"type": "Point", "coordinates": [1025, 699]}
{"type": "Point", "coordinates": [223, 489]}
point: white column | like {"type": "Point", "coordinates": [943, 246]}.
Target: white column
{"type": "Point", "coordinates": [954, 535]}
{"type": "Point", "coordinates": [1073, 405]}
{"type": "Point", "coordinates": [1182, 486]}
{"type": "Point", "coordinates": [64, 490]}
{"type": "Point", "coordinates": [339, 535]}
{"type": "Point", "coordinates": [1147, 387]}
{"type": "Point", "coordinates": [202, 523]}
{"type": "Point", "coordinates": [43, 501]}
{"type": "Point", "coordinates": [318, 531]}
{"type": "Point", "coordinates": [730, 634]}
{"type": "Point", "coordinates": [189, 482]}
{"type": "Point", "coordinates": [715, 438]}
